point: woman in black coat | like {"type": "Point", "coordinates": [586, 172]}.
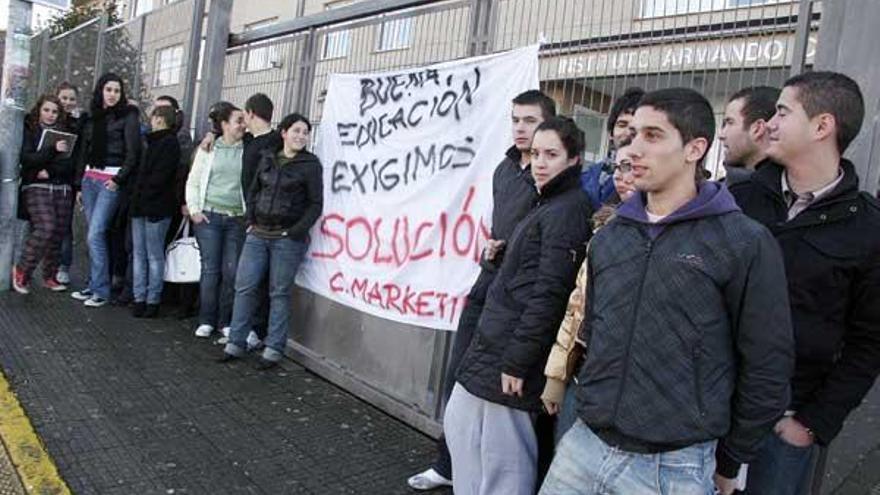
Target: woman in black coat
{"type": "Point", "coordinates": [47, 172]}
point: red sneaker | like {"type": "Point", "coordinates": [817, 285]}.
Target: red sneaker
{"type": "Point", "coordinates": [19, 282]}
{"type": "Point", "coordinates": [54, 285]}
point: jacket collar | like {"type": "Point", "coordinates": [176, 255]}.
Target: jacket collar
{"type": "Point", "coordinates": [769, 178]}
{"type": "Point", "coordinates": [567, 179]}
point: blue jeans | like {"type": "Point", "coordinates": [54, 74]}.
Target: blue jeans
{"type": "Point", "coordinates": [585, 465]}
{"type": "Point", "coordinates": [781, 468]}
{"type": "Point", "coordinates": [220, 240]}
{"type": "Point", "coordinates": [148, 258]}
{"type": "Point", "coordinates": [100, 207]}
{"type": "Point", "coordinates": [280, 259]}
{"type": "Point", "coordinates": [567, 412]}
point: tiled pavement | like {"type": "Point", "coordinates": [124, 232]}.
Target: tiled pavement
{"type": "Point", "coordinates": [139, 406]}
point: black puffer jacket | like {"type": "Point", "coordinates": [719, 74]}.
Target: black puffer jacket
{"type": "Point", "coordinates": [286, 197]}
{"type": "Point", "coordinates": [153, 191]}
{"type": "Point", "coordinates": [832, 260]}
{"type": "Point", "coordinates": [526, 301]}
{"type": "Point", "coordinates": [513, 195]}
{"type": "Point", "coordinates": [123, 143]}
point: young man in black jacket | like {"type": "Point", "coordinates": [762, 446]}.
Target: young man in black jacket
{"type": "Point", "coordinates": [687, 330]}
{"type": "Point", "coordinates": [830, 238]}
{"type": "Point", "coordinates": [284, 201]}
{"type": "Point", "coordinates": [513, 195]}
{"type": "Point", "coordinates": [744, 133]}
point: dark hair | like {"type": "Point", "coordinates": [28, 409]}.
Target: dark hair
{"type": "Point", "coordinates": [98, 95]}
{"type": "Point", "coordinates": [688, 111]}
{"type": "Point", "coordinates": [759, 103]}
{"type": "Point", "coordinates": [624, 104]}
{"type": "Point", "coordinates": [171, 101]}
{"type": "Point", "coordinates": [836, 94]}
{"type": "Point", "coordinates": [293, 118]}
{"type": "Point", "coordinates": [569, 133]}
{"type": "Point", "coordinates": [32, 120]}
{"type": "Point", "coordinates": [261, 106]}
{"type": "Point", "coordinates": [536, 97]}
{"type": "Point", "coordinates": [66, 85]}
{"type": "Point", "coordinates": [167, 114]}
{"type": "Point", "coordinates": [221, 112]}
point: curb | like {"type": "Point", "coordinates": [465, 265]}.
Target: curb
{"type": "Point", "coordinates": [34, 466]}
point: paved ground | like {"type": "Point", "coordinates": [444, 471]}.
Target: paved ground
{"type": "Point", "coordinates": [9, 482]}
{"type": "Point", "coordinates": [138, 407]}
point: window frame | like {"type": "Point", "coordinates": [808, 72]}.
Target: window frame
{"type": "Point", "coordinates": [408, 27]}
{"type": "Point", "coordinates": [178, 69]}
{"type": "Point", "coordinates": [272, 51]}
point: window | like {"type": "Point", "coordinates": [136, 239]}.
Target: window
{"type": "Point", "coordinates": [262, 58]}
{"type": "Point", "coordinates": [394, 35]}
{"type": "Point", "coordinates": [169, 62]}
{"type": "Point", "coordinates": [593, 125]}
{"type": "Point", "coordinates": [337, 44]}
{"type": "Point", "coordinates": [659, 8]}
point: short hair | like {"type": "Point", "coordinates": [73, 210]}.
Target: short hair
{"type": "Point", "coordinates": [539, 98]}
{"type": "Point", "coordinates": [171, 101]}
{"type": "Point", "coordinates": [569, 133]}
{"type": "Point", "coordinates": [624, 104]}
{"type": "Point", "coordinates": [64, 85]}
{"type": "Point", "coordinates": [221, 112]}
{"type": "Point", "coordinates": [167, 114]}
{"type": "Point", "coordinates": [833, 93]}
{"type": "Point", "coordinates": [688, 111]}
{"type": "Point", "coordinates": [293, 118]}
{"type": "Point", "coordinates": [260, 105]}
{"type": "Point", "coordinates": [759, 103]}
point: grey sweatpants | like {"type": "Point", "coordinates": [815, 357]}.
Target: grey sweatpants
{"type": "Point", "coordinates": [494, 449]}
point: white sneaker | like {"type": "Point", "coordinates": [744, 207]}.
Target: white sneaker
{"type": "Point", "coordinates": [204, 331]}
{"type": "Point", "coordinates": [82, 295]}
{"type": "Point", "coordinates": [63, 276]}
{"type": "Point", "coordinates": [253, 342]}
{"type": "Point", "coordinates": [225, 331]}
{"type": "Point", "coordinates": [428, 480]}
{"type": "Point", "coordinates": [222, 341]}
{"type": "Point", "coordinates": [95, 302]}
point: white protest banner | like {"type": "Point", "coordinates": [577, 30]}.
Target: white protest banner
{"type": "Point", "coordinates": [408, 161]}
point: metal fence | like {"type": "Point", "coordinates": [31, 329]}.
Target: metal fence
{"type": "Point", "coordinates": [150, 53]}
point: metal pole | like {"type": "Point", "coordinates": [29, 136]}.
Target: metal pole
{"type": "Point", "coordinates": [302, 89]}
{"type": "Point", "coordinates": [99, 49]}
{"type": "Point", "coordinates": [44, 60]}
{"type": "Point", "coordinates": [68, 43]}
{"type": "Point", "coordinates": [192, 63]}
{"type": "Point", "coordinates": [137, 83]}
{"type": "Point", "coordinates": [801, 37]}
{"type": "Point", "coordinates": [214, 62]}
{"type": "Point", "coordinates": [14, 92]}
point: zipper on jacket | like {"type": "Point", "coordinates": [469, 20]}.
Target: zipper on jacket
{"type": "Point", "coordinates": [649, 249]}
{"type": "Point", "coordinates": [277, 181]}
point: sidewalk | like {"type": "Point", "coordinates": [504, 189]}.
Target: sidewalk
{"type": "Point", "coordinates": [134, 406]}
{"type": "Point", "coordinates": [9, 482]}
{"type": "Point", "coordinates": [139, 406]}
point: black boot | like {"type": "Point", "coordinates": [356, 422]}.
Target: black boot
{"type": "Point", "coordinates": [152, 311]}
{"type": "Point", "coordinates": [138, 310]}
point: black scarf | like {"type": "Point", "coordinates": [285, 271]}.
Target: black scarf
{"type": "Point", "coordinates": [98, 147]}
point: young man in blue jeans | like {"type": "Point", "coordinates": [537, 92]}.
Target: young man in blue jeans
{"type": "Point", "coordinates": [688, 336]}
{"type": "Point", "coordinates": [284, 201]}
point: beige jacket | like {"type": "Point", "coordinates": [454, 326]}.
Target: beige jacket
{"type": "Point", "coordinates": [567, 350]}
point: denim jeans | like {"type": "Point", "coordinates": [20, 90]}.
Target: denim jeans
{"type": "Point", "coordinates": [585, 465]}
{"type": "Point", "coordinates": [280, 260]}
{"type": "Point", "coordinates": [148, 258]}
{"type": "Point", "coordinates": [567, 414]}
{"type": "Point", "coordinates": [781, 468]}
{"type": "Point", "coordinates": [220, 240]}
{"type": "Point", "coordinates": [99, 205]}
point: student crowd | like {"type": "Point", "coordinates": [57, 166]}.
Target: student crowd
{"type": "Point", "coordinates": [635, 328]}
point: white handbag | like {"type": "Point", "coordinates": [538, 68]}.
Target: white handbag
{"type": "Point", "coordinates": [183, 262]}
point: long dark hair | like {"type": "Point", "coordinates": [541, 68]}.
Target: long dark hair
{"type": "Point", "coordinates": [98, 95]}
{"type": "Point", "coordinates": [32, 121]}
